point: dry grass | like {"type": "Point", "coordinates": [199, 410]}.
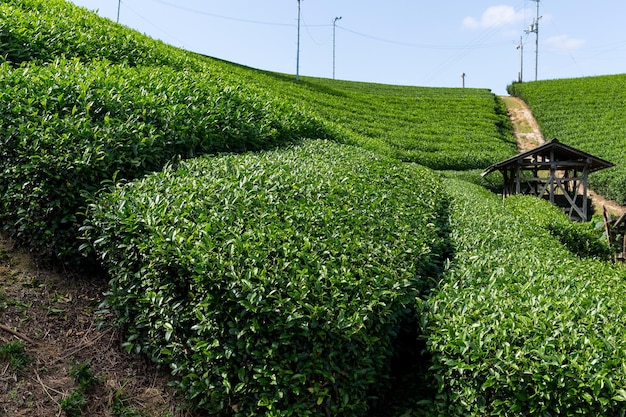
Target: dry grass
{"type": "Point", "coordinates": [53, 314]}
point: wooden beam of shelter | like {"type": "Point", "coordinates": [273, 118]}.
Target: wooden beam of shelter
{"type": "Point", "coordinates": [565, 169]}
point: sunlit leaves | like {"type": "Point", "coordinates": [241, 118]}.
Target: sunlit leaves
{"type": "Point", "coordinates": [520, 325]}
{"type": "Point", "coordinates": [274, 281]}
{"type": "Point", "coordinates": [67, 127]}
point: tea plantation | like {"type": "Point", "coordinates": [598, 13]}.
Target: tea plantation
{"type": "Point", "coordinates": [587, 113]}
{"type": "Point", "coordinates": [295, 248]}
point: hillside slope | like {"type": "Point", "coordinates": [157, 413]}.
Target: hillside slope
{"type": "Point", "coordinates": [589, 114]}
{"type": "Point", "coordinates": [125, 105]}
{"type": "Point", "coordinates": [272, 266]}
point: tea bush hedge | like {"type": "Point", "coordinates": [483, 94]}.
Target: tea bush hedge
{"type": "Point", "coordinates": [67, 127]}
{"type": "Point", "coordinates": [520, 325]}
{"type": "Point", "coordinates": [46, 30]}
{"type": "Point", "coordinates": [272, 283]}
{"type": "Point", "coordinates": [441, 128]}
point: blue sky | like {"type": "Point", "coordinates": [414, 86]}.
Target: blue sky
{"type": "Point", "coordinates": [406, 42]}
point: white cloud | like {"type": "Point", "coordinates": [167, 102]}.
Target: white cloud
{"type": "Point", "coordinates": [495, 16]}
{"type": "Point", "coordinates": [564, 43]}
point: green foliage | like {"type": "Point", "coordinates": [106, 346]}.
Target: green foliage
{"type": "Point", "coordinates": [85, 101]}
{"type": "Point", "coordinates": [73, 404]}
{"type": "Point", "coordinates": [67, 127]}
{"type": "Point", "coordinates": [584, 239]}
{"type": "Point", "coordinates": [589, 114]}
{"type": "Point", "coordinates": [520, 325]}
{"type": "Point", "coordinates": [473, 176]}
{"type": "Point", "coordinates": [272, 283]}
{"type": "Point", "coordinates": [443, 129]}
{"type": "Point", "coordinates": [83, 376]}
{"type": "Point", "coordinates": [15, 353]}
{"type": "Point", "coordinates": [121, 407]}
{"type": "Point", "coordinates": [46, 30]}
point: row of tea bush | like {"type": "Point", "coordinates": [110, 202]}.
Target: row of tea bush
{"type": "Point", "coordinates": [521, 325]}
{"type": "Point", "coordinates": [273, 283]}
{"type": "Point", "coordinates": [67, 127]}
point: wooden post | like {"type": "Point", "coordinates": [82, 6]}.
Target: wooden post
{"type": "Point", "coordinates": [607, 227]}
{"type": "Point", "coordinates": [585, 191]}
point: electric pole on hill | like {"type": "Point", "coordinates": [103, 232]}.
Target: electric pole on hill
{"type": "Point", "coordinates": [119, 3]}
{"type": "Point", "coordinates": [298, 53]}
{"type": "Point", "coordinates": [520, 76]}
{"type": "Point", "coordinates": [334, 31]}
{"type": "Point", "coordinates": [534, 28]}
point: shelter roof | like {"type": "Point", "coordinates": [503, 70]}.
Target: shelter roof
{"type": "Point", "coordinates": [551, 153]}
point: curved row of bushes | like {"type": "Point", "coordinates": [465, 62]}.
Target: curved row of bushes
{"type": "Point", "coordinates": [441, 128]}
{"type": "Point", "coordinates": [46, 30]}
{"type": "Point", "coordinates": [272, 283]}
{"type": "Point", "coordinates": [67, 127]}
{"type": "Point", "coordinates": [520, 325]}
{"type": "Point", "coordinates": [85, 100]}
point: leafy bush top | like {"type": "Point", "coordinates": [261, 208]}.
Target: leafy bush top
{"type": "Point", "coordinates": [272, 283]}
{"type": "Point", "coordinates": [520, 325]}
{"type": "Point", "coordinates": [67, 127]}
{"type": "Point", "coordinates": [45, 30]}
{"type": "Point", "coordinates": [443, 129]}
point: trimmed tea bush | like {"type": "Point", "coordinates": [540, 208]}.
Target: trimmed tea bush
{"type": "Point", "coordinates": [441, 128]}
{"type": "Point", "coordinates": [45, 30]}
{"type": "Point", "coordinates": [67, 127]}
{"type": "Point", "coordinates": [272, 283]}
{"type": "Point", "coordinates": [521, 326]}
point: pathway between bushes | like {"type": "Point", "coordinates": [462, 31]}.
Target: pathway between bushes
{"type": "Point", "coordinates": [529, 136]}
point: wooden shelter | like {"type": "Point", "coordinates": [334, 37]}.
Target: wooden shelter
{"type": "Point", "coordinates": [554, 171]}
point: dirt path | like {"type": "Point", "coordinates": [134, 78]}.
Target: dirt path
{"type": "Point", "coordinates": [529, 135]}
{"type": "Point", "coordinates": [525, 126]}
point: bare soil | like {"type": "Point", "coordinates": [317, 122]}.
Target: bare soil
{"type": "Point", "coordinates": [525, 126]}
{"type": "Point", "coordinates": [53, 315]}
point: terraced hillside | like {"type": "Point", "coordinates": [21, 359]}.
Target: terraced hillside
{"type": "Point", "coordinates": [112, 113]}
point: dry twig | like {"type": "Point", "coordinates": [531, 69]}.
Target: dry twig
{"type": "Point", "coordinates": [84, 346]}
{"type": "Point", "coordinates": [17, 334]}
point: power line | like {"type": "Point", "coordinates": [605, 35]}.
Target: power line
{"type": "Point", "coordinates": [218, 16]}
{"type": "Point", "coordinates": [422, 46]}
{"type": "Point", "coordinates": [306, 26]}
{"type": "Point", "coordinates": [466, 49]}
{"type": "Point", "coordinates": [160, 29]}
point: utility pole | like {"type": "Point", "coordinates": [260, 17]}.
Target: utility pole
{"type": "Point", "coordinates": [119, 3]}
{"type": "Point", "coordinates": [463, 77]}
{"type": "Point", "coordinates": [534, 28]}
{"type": "Point", "coordinates": [298, 53]}
{"type": "Point", "coordinates": [520, 77]}
{"type": "Point", "coordinates": [334, 29]}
